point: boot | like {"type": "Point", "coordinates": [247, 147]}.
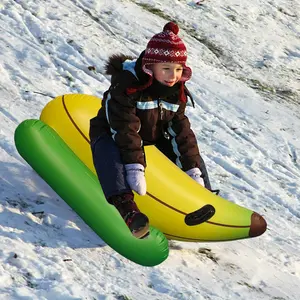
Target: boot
{"type": "Point", "coordinates": [137, 222]}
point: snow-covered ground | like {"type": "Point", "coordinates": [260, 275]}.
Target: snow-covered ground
{"type": "Point", "coordinates": [246, 83]}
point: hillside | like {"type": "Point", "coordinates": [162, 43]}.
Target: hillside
{"type": "Point", "coordinates": [245, 60]}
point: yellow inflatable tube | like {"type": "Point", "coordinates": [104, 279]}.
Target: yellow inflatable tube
{"type": "Point", "coordinates": [174, 203]}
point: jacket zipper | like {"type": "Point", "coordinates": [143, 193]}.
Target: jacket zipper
{"type": "Point", "coordinates": [161, 109]}
{"type": "Point", "coordinates": [161, 112]}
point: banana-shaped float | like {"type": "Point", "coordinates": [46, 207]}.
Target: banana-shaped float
{"type": "Point", "coordinates": [175, 204]}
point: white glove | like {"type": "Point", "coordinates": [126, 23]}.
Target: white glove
{"type": "Point", "coordinates": [195, 174]}
{"type": "Point", "coordinates": [136, 178]}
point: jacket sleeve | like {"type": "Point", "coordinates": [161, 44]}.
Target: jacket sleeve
{"type": "Point", "coordinates": [124, 125]}
{"type": "Point", "coordinates": [184, 141]}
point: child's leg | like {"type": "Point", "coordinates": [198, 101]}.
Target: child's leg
{"type": "Point", "coordinates": [109, 167]}
{"type": "Point", "coordinates": [165, 146]}
{"type": "Point", "coordinates": [112, 177]}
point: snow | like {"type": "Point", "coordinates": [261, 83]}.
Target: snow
{"type": "Point", "coordinates": [246, 84]}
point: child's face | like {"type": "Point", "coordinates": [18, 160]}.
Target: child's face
{"type": "Point", "coordinates": [167, 73]}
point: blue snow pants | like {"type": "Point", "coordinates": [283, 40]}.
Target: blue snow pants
{"type": "Point", "coordinates": [109, 167]}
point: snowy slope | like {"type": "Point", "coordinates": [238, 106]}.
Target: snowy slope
{"type": "Point", "coordinates": [246, 84]}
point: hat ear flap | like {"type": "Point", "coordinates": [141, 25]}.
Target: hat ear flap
{"type": "Point", "coordinates": [186, 74]}
{"type": "Point", "coordinates": [147, 70]}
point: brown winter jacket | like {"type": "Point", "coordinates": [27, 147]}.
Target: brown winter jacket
{"type": "Point", "coordinates": [141, 118]}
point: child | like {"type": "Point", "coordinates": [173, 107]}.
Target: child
{"type": "Point", "coordinates": [145, 105]}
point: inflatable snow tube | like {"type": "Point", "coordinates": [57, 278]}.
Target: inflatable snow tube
{"type": "Point", "coordinates": [79, 187]}
{"type": "Point", "coordinates": [175, 204]}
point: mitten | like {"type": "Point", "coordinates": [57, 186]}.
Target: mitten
{"type": "Point", "coordinates": [135, 176]}
{"type": "Point", "coordinates": [195, 174]}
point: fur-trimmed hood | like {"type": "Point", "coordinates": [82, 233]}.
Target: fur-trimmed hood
{"type": "Point", "coordinates": [118, 63]}
{"type": "Point", "coordinates": [115, 62]}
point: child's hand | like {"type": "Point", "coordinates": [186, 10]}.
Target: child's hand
{"type": "Point", "coordinates": [136, 178]}
{"type": "Point", "coordinates": [195, 174]}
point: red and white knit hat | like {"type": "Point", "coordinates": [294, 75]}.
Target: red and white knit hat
{"type": "Point", "coordinates": [167, 46]}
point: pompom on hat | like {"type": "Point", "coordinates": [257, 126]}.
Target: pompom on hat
{"type": "Point", "coordinates": [167, 46]}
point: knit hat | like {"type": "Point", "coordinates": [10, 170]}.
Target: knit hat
{"type": "Point", "coordinates": [167, 46]}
